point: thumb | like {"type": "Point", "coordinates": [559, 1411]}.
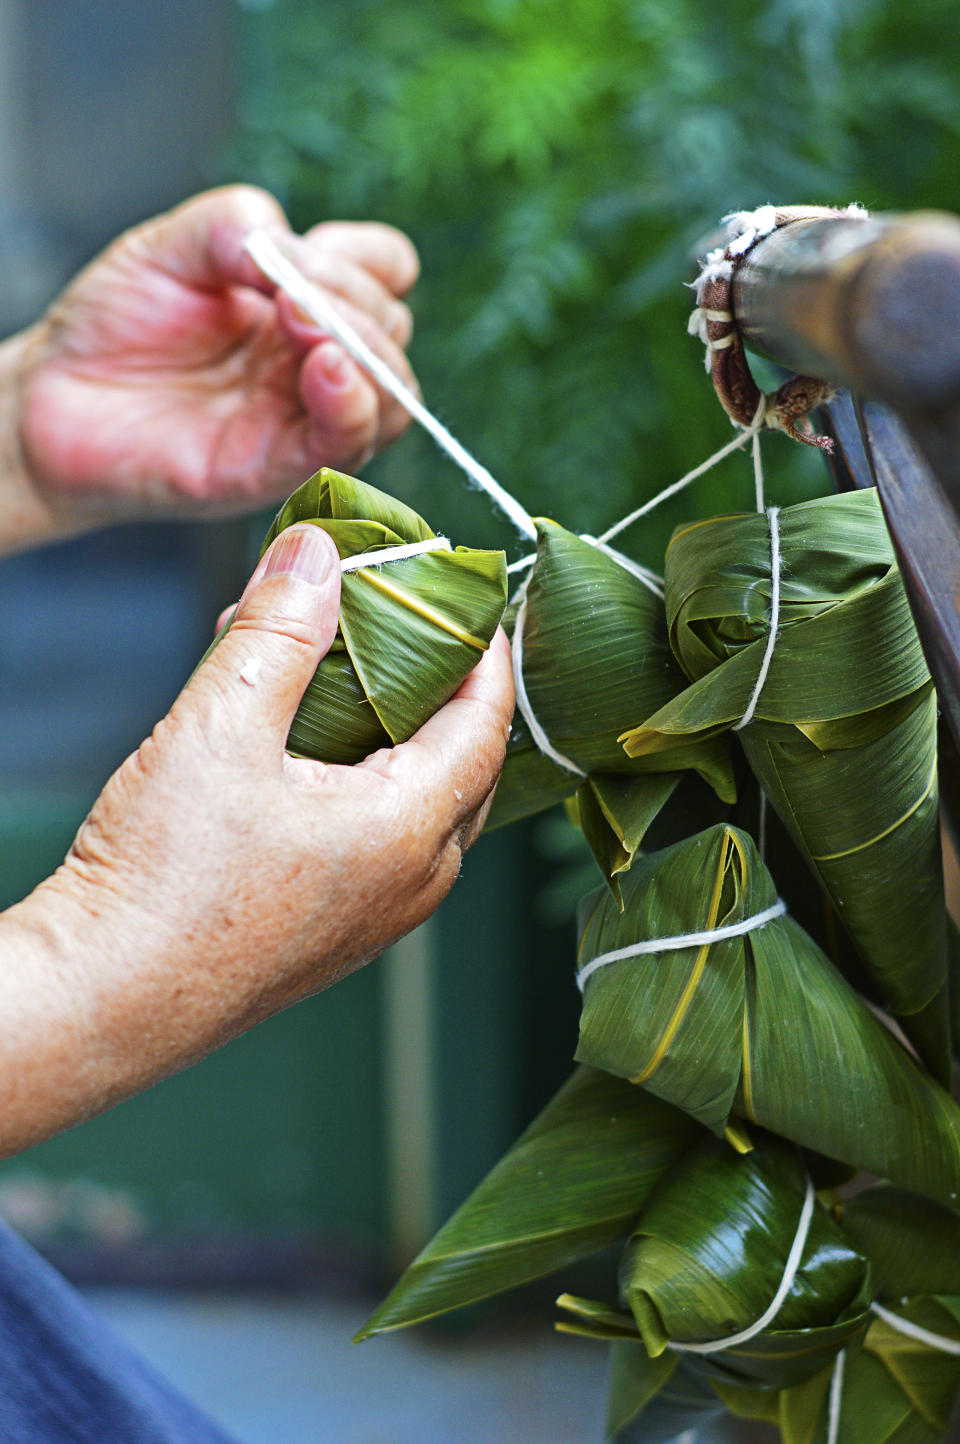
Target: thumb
{"type": "Point", "coordinates": [251, 683]}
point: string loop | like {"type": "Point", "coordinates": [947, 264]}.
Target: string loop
{"type": "Point", "coordinates": [682, 940]}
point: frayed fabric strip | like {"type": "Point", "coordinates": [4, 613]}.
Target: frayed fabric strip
{"type": "Point", "coordinates": [791, 1269]}
{"type": "Point", "coordinates": [772, 514]}
{"type": "Point", "coordinates": [715, 324]}
{"type": "Point", "coordinates": [394, 554]}
{"type": "Point", "coordinates": [523, 701]}
{"type": "Point", "coordinates": [682, 940]}
{"type": "Point", "coordinates": [269, 258]}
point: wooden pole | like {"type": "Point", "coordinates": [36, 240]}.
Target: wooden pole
{"type": "Point", "coordinates": [872, 305]}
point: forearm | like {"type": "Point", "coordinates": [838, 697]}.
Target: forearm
{"type": "Point", "coordinates": [94, 1012]}
{"type": "Point", "coordinates": [25, 520]}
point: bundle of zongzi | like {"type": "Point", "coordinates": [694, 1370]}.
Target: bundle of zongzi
{"type": "Point", "coordinates": [843, 735]}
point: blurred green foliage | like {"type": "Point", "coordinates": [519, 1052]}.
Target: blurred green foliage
{"type": "Point", "coordinates": [559, 164]}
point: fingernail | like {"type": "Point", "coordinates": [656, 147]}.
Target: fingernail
{"type": "Point", "coordinates": [337, 365]}
{"type": "Point", "coordinates": [306, 552]}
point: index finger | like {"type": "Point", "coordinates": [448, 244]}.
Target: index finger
{"type": "Point", "coordinates": [454, 760]}
{"type": "Point", "coordinates": [380, 249]}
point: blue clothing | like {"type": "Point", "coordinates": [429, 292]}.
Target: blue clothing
{"type": "Point", "coordinates": [65, 1378]}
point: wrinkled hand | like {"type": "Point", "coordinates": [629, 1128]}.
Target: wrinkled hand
{"type": "Point", "coordinates": [219, 879]}
{"type": "Point", "coordinates": [170, 377]}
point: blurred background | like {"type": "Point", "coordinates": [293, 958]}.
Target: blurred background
{"type": "Point", "coordinates": [559, 164]}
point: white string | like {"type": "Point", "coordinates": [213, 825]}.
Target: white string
{"type": "Point", "coordinates": [914, 1331]}
{"type": "Point", "coordinates": [643, 574]}
{"type": "Point", "coordinates": [786, 1284]}
{"type": "Point", "coordinates": [650, 580]}
{"type": "Point", "coordinates": [269, 258]}
{"type": "Point", "coordinates": [772, 514]}
{"type": "Point", "coordinates": [836, 1398]}
{"type": "Point", "coordinates": [902, 1326]}
{"type": "Point", "coordinates": [523, 701]}
{"type": "Point", "coordinates": [740, 440]}
{"type": "Point", "coordinates": [683, 940]}
{"type": "Point", "coordinates": [757, 471]}
{"type": "Point", "coordinates": [279, 269]}
{"type": "Point", "coordinates": [394, 554]}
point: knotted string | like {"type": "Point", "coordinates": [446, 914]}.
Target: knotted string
{"type": "Point", "coordinates": [682, 940]}
{"type": "Point", "coordinates": [790, 1272]}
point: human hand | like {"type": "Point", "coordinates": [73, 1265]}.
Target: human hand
{"type": "Point", "coordinates": [218, 879]}
{"type": "Point", "coordinates": [169, 377]}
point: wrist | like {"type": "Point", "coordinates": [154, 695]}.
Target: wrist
{"type": "Point", "coordinates": [25, 519]}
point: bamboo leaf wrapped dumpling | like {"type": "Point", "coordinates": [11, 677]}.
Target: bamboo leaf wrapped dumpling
{"type": "Point", "coordinates": [843, 738]}
{"type": "Point", "coordinates": [905, 1380]}
{"type": "Point", "coordinates": [757, 1023]}
{"type": "Point", "coordinates": [709, 1253]}
{"type": "Point", "coordinates": [594, 655]}
{"type": "Point", "coordinates": [410, 631]}
{"type": "Point", "coordinates": [735, 1277]}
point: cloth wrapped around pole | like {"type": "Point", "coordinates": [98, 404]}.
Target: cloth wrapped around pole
{"type": "Point", "coordinates": [410, 631]}
{"type": "Point", "coordinates": [843, 739]}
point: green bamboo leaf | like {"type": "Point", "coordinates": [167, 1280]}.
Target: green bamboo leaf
{"type": "Point", "coordinates": [883, 1400]}
{"type": "Point", "coordinates": [414, 629]}
{"type": "Point", "coordinates": [595, 656]}
{"type": "Point", "coordinates": [572, 1184]}
{"type": "Point", "coordinates": [334, 496]}
{"type": "Point", "coordinates": [685, 1402]}
{"type": "Point", "coordinates": [708, 1255]}
{"type": "Point", "coordinates": [912, 1243]}
{"type": "Point", "coordinates": [592, 1320]}
{"type": "Point", "coordinates": [410, 630]}
{"type": "Point", "coordinates": [761, 1022]}
{"type": "Point", "coordinates": [635, 1380]}
{"type": "Point", "coordinates": [846, 753]}
{"type": "Point", "coordinates": [614, 814]}
{"type": "Point", "coordinates": [928, 1378]}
